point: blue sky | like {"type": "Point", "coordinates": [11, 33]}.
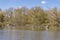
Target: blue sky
{"type": "Point", "coordinates": [5, 4]}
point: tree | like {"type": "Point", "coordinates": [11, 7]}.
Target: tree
{"type": "Point", "coordinates": [1, 20]}
{"type": "Point", "coordinates": [38, 17]}
{"type": "Point", "coordinates": [56, 17]}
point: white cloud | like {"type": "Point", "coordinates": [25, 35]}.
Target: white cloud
{"type": "Point", "coordinates": [43, 2]}
{"type": "Point", "coordinates": [17, 7]}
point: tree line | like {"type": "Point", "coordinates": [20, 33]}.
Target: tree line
{"type": "Point", "coordinates": [35, 18]}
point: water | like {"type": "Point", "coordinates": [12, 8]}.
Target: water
{"type": "Point", "coordinates": [28, 35]}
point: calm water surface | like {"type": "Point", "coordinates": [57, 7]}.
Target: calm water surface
{"type": "Point", "coordinates": [28, 35]}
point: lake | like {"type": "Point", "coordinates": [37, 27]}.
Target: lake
{"type": "Point", "coordinates": [28, 35]}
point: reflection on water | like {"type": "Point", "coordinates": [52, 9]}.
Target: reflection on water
{"type": "Point", "coordinates": [27, 35]}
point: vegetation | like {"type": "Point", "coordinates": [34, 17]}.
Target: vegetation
{"type": "Point", "coordinates": [31, 19]}
{"type": "Point", "coordinates": [1, 20]}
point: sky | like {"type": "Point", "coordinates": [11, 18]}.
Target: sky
{"type": "Point", "coordinates": [5, 4]}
